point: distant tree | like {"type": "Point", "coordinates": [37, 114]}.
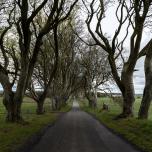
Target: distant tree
{"type": "Point", "coordinates": [65, 81]}
{"type": "Point", "coordinates": [96, 71]}
{"type": "Point", "coordinates": [54, 71]}
{"type": "Point", "coordinates": [44, 71]}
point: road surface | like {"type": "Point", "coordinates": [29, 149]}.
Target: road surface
{"type": "Point", "coordinates": [77, 131]}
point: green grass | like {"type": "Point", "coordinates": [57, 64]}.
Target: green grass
{"type": "Point", "coordinates": [115, 108]}
{"type": "Point", "coordinates": [28, 106]}
{"type": "Point", "coordinates": [138, 132]}
{"type": "Point", "coordinates": [14, 135]}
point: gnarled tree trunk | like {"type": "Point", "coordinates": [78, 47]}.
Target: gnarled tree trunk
{"type": "Point", "coordinates": [12, 107]}
{"type": "Point", "coordinates": [147, 95]}
{"type": "Point", "coordinates": [40, 107]}
{"type": "Point", "coordinates": [125, 85]}
{"type": "Point", "coordinates": [9, 105]}
{"type": "Point", "coordinates": [40, 103]}
{"type": "Point", "coordinates": [128, 96]}
{"type": "Point", "coordinates": [91, 99]}
{"type": "Point", "coordinates": [56, 103]}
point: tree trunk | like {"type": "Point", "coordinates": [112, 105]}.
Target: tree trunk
{"type": "Point", "coordinates": [40, 107]}
{"type": "Point", "coordinates": [128, 95]}
{"type": "Point", "coordinates": [128, 101]}
{"type": "Point", "coordinates": [9, 105]}
{"type": "Point", "coordinates": [90, 103]}
{"type": "Point", "coordinates": [125, 85]}
{"type": "Point", "coordinates": [13, 108]}
{"type": "Point", "coordinates": [57, 103]}
{"type": "Point", "coordinates": [54, 107]}
{"type": "Point", "coordinates": [91, 99]}
{"type": "Point", "coordinates": [96, 94]}
{"type": "Point", "coordinates": [147, 95]}
{"type": "Point", "coordinates": [64, 99]}
{"type": "Point", "coordinates": [40, 103]}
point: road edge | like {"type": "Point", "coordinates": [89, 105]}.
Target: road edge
{"type": "Point", "coordinates": [116, 133]}
{"type": "Point", "coordinates": [29, 144]}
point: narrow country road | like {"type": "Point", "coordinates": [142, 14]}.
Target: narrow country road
{"type": "Point", "coordinates": [77, 131]}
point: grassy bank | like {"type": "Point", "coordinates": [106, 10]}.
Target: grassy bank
{"type": "Point", "coordinates": [14, 135]}
{"type": "Point", "coordinates": [138, 132]}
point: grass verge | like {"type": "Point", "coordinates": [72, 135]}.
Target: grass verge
{"type": "Point", "coordinates": [138, 132]}
{"type": "Point", "coordinates": [12, 136]}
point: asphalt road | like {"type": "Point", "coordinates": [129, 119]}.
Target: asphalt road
{"type": "Point", "coordinates": [77, 131]}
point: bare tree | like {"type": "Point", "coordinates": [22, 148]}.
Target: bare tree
{"type": "Point", "coordinates": [95, 69]}
{"type": "Point", "coordinates": [44, 71]}
{"type": "Point", "coordinates": [64, 83]}
{"type": "Point", "coordinates": [130, 13]}
{"type": "Point", "coordinates": [24, 16]}
{"type": "Point", "coordinates": [62, 60]}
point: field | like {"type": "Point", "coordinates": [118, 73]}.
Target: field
{"type": "Point", "coordinates": [138, 132]}
{"type": "Point", "coordinates": [14, 135]}
{"type": "Point", "coordinates": [114, 107]}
